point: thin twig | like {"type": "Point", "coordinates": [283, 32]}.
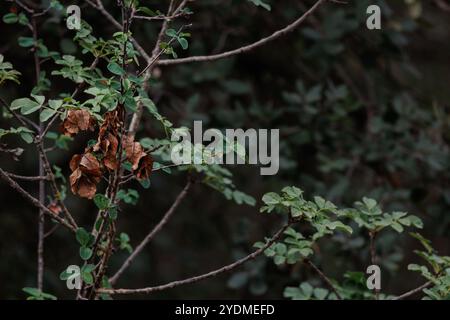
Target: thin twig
{"type": "Point", "coordinates": [211, 274]}
{"type": "Point", "coordinates": [414, 291]}
{"type": "Point", "coordinates": [324, 278]}
{"type": "Point", "coordinates": [152, 233]}
{"type": "Point", "coordinates": [27, 178]}
{"type": "Point", "coordinates": [247, 48]}
{"type": "Point", "coordinates": [34, 201]}
{"type": "Point", "coordinates": [41, 221]}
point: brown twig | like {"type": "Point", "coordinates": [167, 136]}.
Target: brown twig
{"type": "Point", "coordinates": [414, 291]}
{"type": "Point", "coordinates": [41, 221]}
{"type": "Point", "coordinates": [27, 178]}
{"type": "Point", "coordinates": [152, 233]}
{"type": "Point", "coordinates": [323, 277]}
{"type": "Point", "coordinates": [34, 201]}
{"type": "Point", "coordinates": [257, 44]}
{"type": "Point", "coordinates": [211, 274]}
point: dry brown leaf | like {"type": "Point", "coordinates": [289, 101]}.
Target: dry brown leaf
{"type": "Point", "coordinates": [145, 168]}
{"type": "Point", "coordinates": [134, 152]}
{"type": "Point", "coordinates": [76, 121]}
{"type": "Point", "coordinates": [86, 175]}
{"type": "Point", "coordinates": [108, 141]}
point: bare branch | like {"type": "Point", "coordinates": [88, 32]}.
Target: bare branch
{"type": "Point", "coordinates": [247, 48]}
{"type": "Point", "coordinates": [152, 233]}
{"type": "Point", "coordinates": [211, 274]}
{"type": "Point", "coordinates": [324, 277]}
{"type": "Point", "coordinates": [34, 201]}
{"type": "Point", "coordinates": [414, 291]}
{"type": "Point", "coordinates": [27, 178]}
{"type": "Point", "coordinates": [49, 172]}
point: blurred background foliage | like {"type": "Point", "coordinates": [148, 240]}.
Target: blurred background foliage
{"type": "Point", "coordinates": [360, 113]}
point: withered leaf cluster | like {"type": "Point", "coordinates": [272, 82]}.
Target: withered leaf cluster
{"type": "Point", "coordinates": [88, 168]}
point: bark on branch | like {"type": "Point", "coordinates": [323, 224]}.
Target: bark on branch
{"type": "Point", "coordinates": [211, 274]}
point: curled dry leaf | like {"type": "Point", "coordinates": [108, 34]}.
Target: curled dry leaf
{"type": "Point", "coordinates": [107, 143]}
{"type": "Point", "coordinates": [86, 173]}
{"type": "Point", "coordinates": [108, 147]}
{"type": "Point", "coordinates": [134, 152]}
{"type": "Point", "coordinates": [141, 162]}
{"type": "Point", "coordinates": [76, 121]}
{"type": "Point", "coordinates": [145, 168]}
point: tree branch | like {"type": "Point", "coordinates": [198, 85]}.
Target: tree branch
{"type": "Point", "coordinates": [324, 278]}
{"type": "Point", "coordinates": [414, 291]}
{"type": "Point", "coordinates": [211, 274]}
{"type": "Point", "coordinates": [152, 233]}
{"type": "Point", "coordinates": [247, 48]}
{"type": "Point", "coordinates": [34, 201]}
{"type": "Point", "coordinates": [27, 178]}
{"type": "Point", "coordinates": [41, 221]}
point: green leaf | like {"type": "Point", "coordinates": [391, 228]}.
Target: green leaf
{"type": "Point", "coordinates": [130, 103]}
{"type": "Point", "coordinates": [320, 293]}
{"type": "Point", "coordinates": [145, 183]}
{"type": "Point", "coordinates": [23, 20]}
{"type": "Point", "coordinates": [26, 42]}
{"type": "Point", "coordinates": [114, 68]}
{"type": "Point", "coordinates": [64, 275]}
{"type": "Point", "coordinates": [39, 99]}
{"type": "Point", "coordinates": [87, 277]}
{"type": "Point", "coordinates": [278, 260]}
{"type": "Point", "coordinates": [85, 253]}
{"type": "Point", "coordinates": [112, 212]}
{"type": "Point", "coordinates": [26, 105]}
{"type": "Point", "coordinates": [340, 226]}
{"type": "Point", "coordinates": [307, 289]}
{"type": "Point", "coordinates": [425, 242]}
{"type": "Point", "coordinates": [397, 227]}
{"type": "Point", "coordinates": [83, 237]}
{"type": "Point", "coordinates": [416, 221]}
{"type": "Point", "coordinates": [101, 201]}
{"type": "Point", "coordinates": [10, 18]}
{"type": "Point", "coordinates": [370, 203]}
{"type": "Point", "coordinates": [88, 268]}
{"type": "Point", "coordinates": [271, 198]}
{"type": "Point", "coordinates": [36, 294]}
{"type": "Point", "coordinates": [32, 291]}
{"type": "Point", "coordinates": [292, 192]}
{"type": "Point", "coordinates": [171, 33]}
{"type": "Point", "coordinates": [27, 137]}
{"type": "Point", "coordinates": [183, 42]}
{"type": "Point", "coordinates": [55, 104]}
{"type": "Point", "coordinates": [46, 114]}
